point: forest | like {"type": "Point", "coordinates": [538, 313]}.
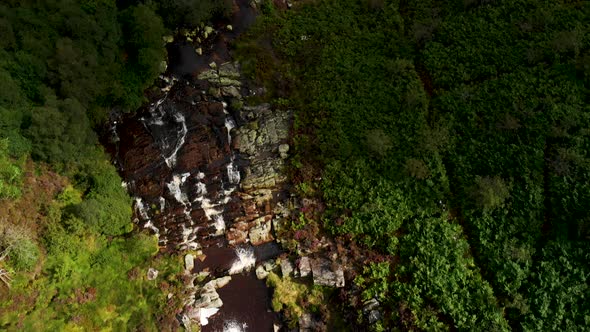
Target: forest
{"type": "Point", "coordinates": [68, 259]}
{"type": "Point", "coordinates": [452, 139]}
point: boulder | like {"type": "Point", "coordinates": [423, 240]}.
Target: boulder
{"type": "Point", "coordinates": [283, 150]}
{"type": "Point", "coordinates": [220, 282]}
{"type": "Point", "coordinates": [236, 236]}
{"type": "Point", "coordinates": [371, 311]}
{"type": "Point", "coordinates": [209, 296]}
{"type": "Point", "coordinates": [325, 274]}
{"type": "Point", "coordinates": [261, 273]}
{"type": "Point", "coordinates": [286, 267]}
{"type": "Point", "coordinates": [304, 266]}
{"type": "Point", "coordinates": [278, 223]}
{"type": "Point", "coordinates": [189, 262]}
{"type": "Point", "coordinates": [261, 233]}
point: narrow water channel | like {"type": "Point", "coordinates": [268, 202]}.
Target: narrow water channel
{"type": "Point", "coordinates": [176, 158]}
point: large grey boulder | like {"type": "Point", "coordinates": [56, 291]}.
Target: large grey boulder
{"type": "Point", "coordinates": [325, 274]}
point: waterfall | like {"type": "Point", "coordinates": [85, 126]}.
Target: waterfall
{"type": "Point", "coordinates": [175, 190]}
{"type": "Point", "coordinates": [244, 262]}
{"type": "Point", "coordinates": [171, 160]}
{"type": "Point", "coordinates": [233, 326]}
{"type": "Point", "coordinates": [141, 209]}
{"type": "Point", "coordinates": [233, 173]}
{"type": "Point", "coordinates": [229, 125]}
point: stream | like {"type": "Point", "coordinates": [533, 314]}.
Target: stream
{"type": "Point", "coordinates": [177, 160]}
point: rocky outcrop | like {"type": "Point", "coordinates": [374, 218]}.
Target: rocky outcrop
{"type": "Point", "coordinates": [204, 174]}
{"type": "Point", "coordinates": [326, 273]}
{"type": "Point", "coordinates": [371, 311]}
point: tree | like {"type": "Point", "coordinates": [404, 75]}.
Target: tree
{"type": "Point", "coordinates": [490, 192]}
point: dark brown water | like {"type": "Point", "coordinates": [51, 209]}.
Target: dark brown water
{"type": "Point", "coordinates": [246, 307]}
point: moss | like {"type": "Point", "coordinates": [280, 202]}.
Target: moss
{"type": "Point", "coordinates": [293, 297]}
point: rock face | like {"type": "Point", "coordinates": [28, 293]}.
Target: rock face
{"type": "Point", "coordinates": [325, 274]}
{"type": "Point", "coordinates": [199, 180]}
{"type": "Point", "coordinates": [205, 175]}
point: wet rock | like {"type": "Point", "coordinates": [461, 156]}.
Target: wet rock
{"type": "Point", "coordinates": [304, 266]}
{"type": "Point", "coordinates": [152, 273]}
{"type": "Point", "coordinates": [261, 273]}
{"type": "Point", "coordinates": [189, 262]}
{"type": "Point", "coordinates": [236, 236]}
{"type": "Point", "coordinates": [269, 265]}
{"type": "Point", "coordinates": [209, 298]}
{"type": "Point", "coordinates": [286, 268]}
{"type": "Point", "coordinates": [325, 274]}
{"type": "Point", "coordinates": [261, 233]}
{"type": "Point", "coordinates": [220, 282]}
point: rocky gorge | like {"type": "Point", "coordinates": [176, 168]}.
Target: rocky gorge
{"type": "Point", "coordinates": [207, 171]}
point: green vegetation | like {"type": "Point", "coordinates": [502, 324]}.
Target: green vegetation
{"type": "Point", "coordinates": [453, 135]}
{"type": "Point", "coordinates": [293, 297]}
{"type": "Point", "coordinates": [68, 259]}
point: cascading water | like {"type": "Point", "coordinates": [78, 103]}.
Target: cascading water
{"type": "Point", "coordinates": [244, 262]}
{"type": "Point", "coordinates": [177, 160]}
{"type": "Point", "coordinates": [190, 187]}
